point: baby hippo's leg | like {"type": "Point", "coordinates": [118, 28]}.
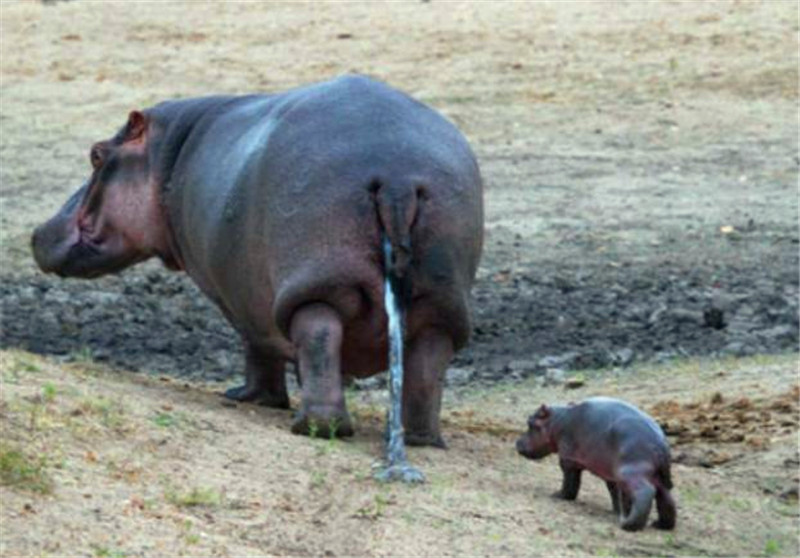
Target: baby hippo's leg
{"type": "Point", "coordinates": [614, 493]}
{"type": "Point", "coordinates": [666, 509]}
{"type": "Point", "coordinates": [624, 502]}
{"type": "Point", "coordinates": [572, 480]}
{"type": "Point", "coordinates": [634, 481]}
{"type": "Point", "coordinates": [316, 331]}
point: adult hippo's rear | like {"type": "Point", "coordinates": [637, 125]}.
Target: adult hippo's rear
{"type": "Point", "coordinates": [293, 212]}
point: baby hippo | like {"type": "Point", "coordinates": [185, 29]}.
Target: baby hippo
{"type": "Point", "coordinates": [615, 441]}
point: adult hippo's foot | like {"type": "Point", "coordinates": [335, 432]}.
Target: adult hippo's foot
{"type": "Point", "coordinates": [265, 380]}
{"type": "Point", "coordinates": [328, 424]}
{"type": "Point", "coordinates": [316, 331]}
{"type": "Point", "coordinates": [247, 394]}
{"type": "Point", "coordinates": [425, 439]}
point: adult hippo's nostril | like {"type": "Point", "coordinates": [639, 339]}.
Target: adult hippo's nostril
{"type": "Point", "coordinates": [50, 244]}
{"type": "Point", "coordinates": [39, 254]}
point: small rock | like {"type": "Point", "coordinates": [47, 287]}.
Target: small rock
{"type": "Point", "coordinates": [575, 382]}
{"type": "Point", "coordinates": [520, 367]}
{"type": "Point", "coordinates": [623, 357]}
{"type": "Point", "coordinates": [554, 377]}
{"type": "Point", "coordinates": [565, 360]}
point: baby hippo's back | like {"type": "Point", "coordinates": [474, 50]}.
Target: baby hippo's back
{"type": "Point", "coordinates": [604, 434]}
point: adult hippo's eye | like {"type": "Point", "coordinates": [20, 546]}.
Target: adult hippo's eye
{"type": "Point", "coordinates": [96, 158]}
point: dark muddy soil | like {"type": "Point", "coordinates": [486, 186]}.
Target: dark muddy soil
{"type": "Point", "coordinates": [524, 323]}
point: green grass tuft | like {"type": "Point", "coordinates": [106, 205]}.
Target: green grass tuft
{"type": "Point", "coordinates": [165, 420]}
{"type": "Point", "coordinates": [197, 497]}
{"type": "Point", "coordinates": [772, 547]}
{"type": "Point", "coordinates": [19, 471]}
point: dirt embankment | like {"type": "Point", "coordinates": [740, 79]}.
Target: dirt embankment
{"type": "Point", "coordinates": [95, 462]}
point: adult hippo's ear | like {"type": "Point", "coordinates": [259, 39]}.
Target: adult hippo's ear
{"type": "Point", "coordinates": [136, 127]}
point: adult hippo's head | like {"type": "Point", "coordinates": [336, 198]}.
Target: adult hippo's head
{"type": "Point", "coordinates": [114, 220]}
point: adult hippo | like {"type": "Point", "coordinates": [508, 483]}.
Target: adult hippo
{"type": "Point", "coordinates": [293, 212]}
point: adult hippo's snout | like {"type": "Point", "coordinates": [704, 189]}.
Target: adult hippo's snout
{"type": "Point", "coordinates": [52, 241]}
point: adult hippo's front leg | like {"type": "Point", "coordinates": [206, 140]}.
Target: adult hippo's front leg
{"type": "Point", "coordinates": [265, 378]}
{"type": "Point", "coordinates": [316, 330]}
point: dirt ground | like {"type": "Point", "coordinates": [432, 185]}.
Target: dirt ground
{"type": "Point", "coordinates": [118, 464]}
{"type": "Point", "coordinates": [641, 166]}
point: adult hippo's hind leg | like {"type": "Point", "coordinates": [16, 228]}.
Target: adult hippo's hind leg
{"type": "Point", "coordinates": [265, 379]}
{"type": "Point", "coordinates": [316, 331]}
{"type": "Point", "coordinates": [428, 356]}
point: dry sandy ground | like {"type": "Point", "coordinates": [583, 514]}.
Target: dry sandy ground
{"type": "Point", "coordinates": [641, 124]}
{"type": "Point", "coordinates": [135, 467]}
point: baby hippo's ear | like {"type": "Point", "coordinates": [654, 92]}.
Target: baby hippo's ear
{"type": "Point", "coordinates": [543, 412]}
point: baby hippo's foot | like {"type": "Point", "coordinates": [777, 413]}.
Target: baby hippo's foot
{"type": "Point", "coordinates": [245, 393]}
{"type": "Point", "coordinates": [663, 524]}
{"type": "Point", "coordinates": [323, 423]}
{"type": "Point", "coordinates": [560, 495]}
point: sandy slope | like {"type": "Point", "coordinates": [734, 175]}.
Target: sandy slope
{"type": "Point", "coordinates": [148, 467]}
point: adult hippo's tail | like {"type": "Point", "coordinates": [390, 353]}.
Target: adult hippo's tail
{"type": "Point", "coordinates": [397, 213]}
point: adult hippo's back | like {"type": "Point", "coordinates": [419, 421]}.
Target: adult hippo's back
{"type": "Point", "coordinates": [278, 207]}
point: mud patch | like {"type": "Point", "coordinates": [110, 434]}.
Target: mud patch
{"type": "Point", "coordinates": [524, 322]}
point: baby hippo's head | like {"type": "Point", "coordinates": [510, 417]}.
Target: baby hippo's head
{"type": "Point", "coordinates": [537, 442]}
